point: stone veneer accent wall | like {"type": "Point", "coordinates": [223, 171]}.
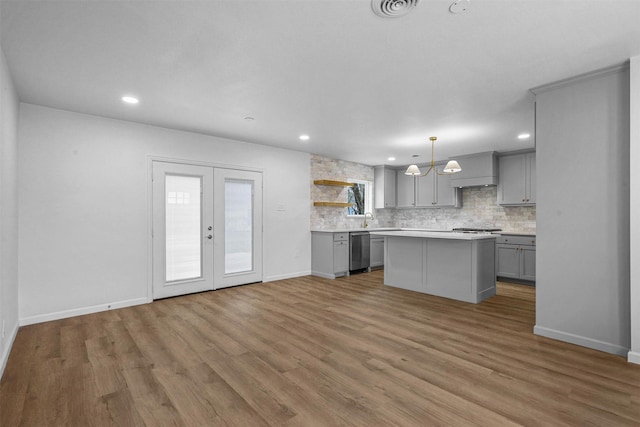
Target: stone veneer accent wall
{"type": "Point", "coordinates": [326, 217]}
{"type": "Point", "coordinates": [479, 205]}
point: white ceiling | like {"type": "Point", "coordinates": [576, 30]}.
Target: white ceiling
{"type": "Point", "coordinates": [363, 87]}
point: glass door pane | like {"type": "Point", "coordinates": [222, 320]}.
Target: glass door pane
{"type": "Point", "coordinates": [183, 225]}
{"type": "Point", "coordinates": [238, 226]}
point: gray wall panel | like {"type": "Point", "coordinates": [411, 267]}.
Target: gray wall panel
{"type": "Point", "coordinates": [582, 137]}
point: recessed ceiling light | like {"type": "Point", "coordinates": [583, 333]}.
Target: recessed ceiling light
{"type": "Point", "coordinates": [130, 99]}
{"type": "Point", "coordinates": [304, 137]}
{"type": "Point", "coordinates": [391, 159]}
{"type": "Point", "coordinates": [524, 136]}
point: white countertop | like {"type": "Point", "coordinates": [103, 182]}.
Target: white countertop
{"type": "Point", "coordinates": [434, 235]}
{"type": "Point", "coordinates": [421, 232]}
{"type": "Point", "coordinates": [348, 230]}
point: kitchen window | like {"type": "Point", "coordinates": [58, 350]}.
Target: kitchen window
{"type": "Point", "coordinates": [361, 195]}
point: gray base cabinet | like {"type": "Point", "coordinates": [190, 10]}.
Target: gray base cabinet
{"type": "Point", "coordinates": [377, 251]}
{"type": "Point", "coordinates": [329, 254]}
{"type": "Point", "coordinates": [528, 263]}
{"type": "Point", "coordinates": [516, 257]}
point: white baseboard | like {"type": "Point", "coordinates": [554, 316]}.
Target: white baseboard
{"type": "Point", "coordinates": [580, 340]}
{"type": "Point", "coordinates": [633, 357]}
{"type": "Point", "coordinates": [286, 276]}
{"type": "Point", "coordinates": [80, 311]}
{"type": "Point", "coordinates": [323, 275]}
{"type": "Point", "coordinates": [7, 349]}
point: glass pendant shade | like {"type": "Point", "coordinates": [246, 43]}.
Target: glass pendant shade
{"type": "Point", "coordinates": [413, 170]}
{"type": "Point", "coordinates": [452, 167]}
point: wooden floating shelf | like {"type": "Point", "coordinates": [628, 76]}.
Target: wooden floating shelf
{"type": "Point", "coordinates": [333, 183]}
{"type": "Point", "coordinates": [334, 204]}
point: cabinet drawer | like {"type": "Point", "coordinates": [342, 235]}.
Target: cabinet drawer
{"type": "Point", "coordinates": [516, 240]}
{"type": "Point", "coordinates": [340, 236]}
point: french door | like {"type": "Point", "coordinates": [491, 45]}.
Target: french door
{"type": "Point", "coordinates": [238, 225]}
{"type": "Point", "coordinates": [207, 228]}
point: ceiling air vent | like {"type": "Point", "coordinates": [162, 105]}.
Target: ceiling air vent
{"type": "Point", "coordinates": [393, 8]}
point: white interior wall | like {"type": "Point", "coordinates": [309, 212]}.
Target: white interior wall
{"type": "Point", "coordinates": [582, 281]}
{"type": "Point", "coordinates": [84, 210]}
{"type": "Point", "coordinates": [8, 212]}
{"type": "Point", "coordinates": [634, 156]}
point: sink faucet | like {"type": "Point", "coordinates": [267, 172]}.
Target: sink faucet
{"type": "Point", "coordinates": [364, 223]}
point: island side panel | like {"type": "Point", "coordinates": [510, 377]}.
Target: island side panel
{"type": "Point", "coordinates": [403, 263]}
{"type": "Point", "coordinates": [449, 269]}
{"type": "Point", "coordinates": [485, 269]}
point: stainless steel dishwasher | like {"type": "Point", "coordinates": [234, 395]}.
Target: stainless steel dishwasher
{"type": "Point", "coordinates": [359, 251]}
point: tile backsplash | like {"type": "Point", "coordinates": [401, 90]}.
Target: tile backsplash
{"type": "Point", "coordinates": [326, 217]}
{"type": "Point", "coordinates": [479, 209]}
{"type": "Point", "coordinates": [479, 205]}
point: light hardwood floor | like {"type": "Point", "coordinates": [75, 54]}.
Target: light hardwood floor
{"type": "Point", "coordinates": [308, 352]}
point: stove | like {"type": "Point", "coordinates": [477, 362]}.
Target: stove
{"type": "Point", "coordinates": [475, 230]}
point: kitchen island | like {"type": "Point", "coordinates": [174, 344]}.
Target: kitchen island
{"type": "Point", "coordinates": [453, 265]}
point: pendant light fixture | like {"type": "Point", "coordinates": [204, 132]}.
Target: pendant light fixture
{"type": "Point", "coordinates": [451, 167]}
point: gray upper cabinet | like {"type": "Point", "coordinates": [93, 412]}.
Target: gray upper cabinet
{"type": "Point", "coordinates": [384, 183]}
{"type": "Point", "coordinates": [517, 184]}
{"type": "Point", "coordinates": [426, 190]}
{"type": "Point", "coordinates": [435, 191]}
{"type": "Point", "coordinates": [446, 195]}
{"type": "Point", "coordinates": [532, 178]}
{"type": "Point", "coordinates": [431, 191]}
{"type": "Point", "coordinates": [405, 194]}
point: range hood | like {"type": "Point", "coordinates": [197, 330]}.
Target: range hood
{"type": "Point", "coordinates": [480, 169]}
